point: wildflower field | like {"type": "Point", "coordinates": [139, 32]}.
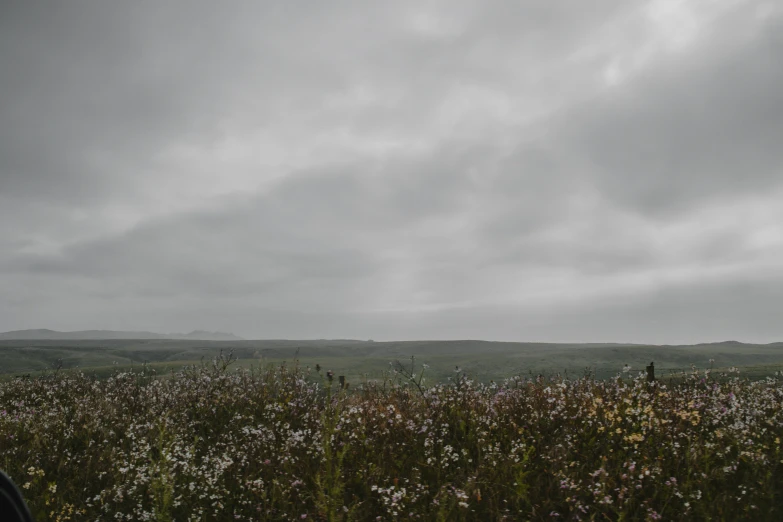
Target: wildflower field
{"type": "Point", "coordinates": [216, 443]}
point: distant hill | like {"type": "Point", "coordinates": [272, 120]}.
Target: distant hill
{"type": "Point", "coordinates": [107, 351]}
{"type": "Point", "coordinates": [45, 334]}
{"type": "Point", "coordinates": [202, 335]}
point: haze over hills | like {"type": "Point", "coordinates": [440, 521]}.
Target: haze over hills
{"type": "Point", "coordinates": [45, 334]}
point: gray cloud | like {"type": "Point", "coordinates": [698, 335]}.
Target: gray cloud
{"type": "Point", "coordinates": [397, 170]}
{"type": "Point", "coordinates": [703, 125]}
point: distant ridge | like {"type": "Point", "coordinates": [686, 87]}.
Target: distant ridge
{"type": "Point", "coordinates": [46, 334]}
{"type": "Point", "coordinates": [724, 343]}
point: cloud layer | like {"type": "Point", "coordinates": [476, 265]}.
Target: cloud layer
{"type": "Point", "coordinates": [394, 170]}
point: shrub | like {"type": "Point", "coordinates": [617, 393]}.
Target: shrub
{"type": "Point", "coordinates": [209, 443]}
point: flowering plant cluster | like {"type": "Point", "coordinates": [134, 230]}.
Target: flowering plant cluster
{"type": "Point", "coordinates": [281, 444]}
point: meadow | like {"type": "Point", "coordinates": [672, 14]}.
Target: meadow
{"type": "Point", "coordinates": [215, 441]}
{"type": "Point", "coordinates": [359, 360]}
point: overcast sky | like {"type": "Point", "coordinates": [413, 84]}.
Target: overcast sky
{"type": "Point", "coordinates": [540, 170]}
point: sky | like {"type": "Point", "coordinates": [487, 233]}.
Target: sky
{"type": "Point", "coordinates": [533, 170]}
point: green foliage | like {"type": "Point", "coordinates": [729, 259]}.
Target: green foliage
{"type": "Point", "coordinates": [217, 442]}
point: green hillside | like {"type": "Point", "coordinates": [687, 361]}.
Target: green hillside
{"type": "Point", "coordinates": [359, 359]}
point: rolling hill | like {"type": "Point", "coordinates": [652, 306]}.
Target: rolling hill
{"type": "Point", "coordinates": [45, 334]}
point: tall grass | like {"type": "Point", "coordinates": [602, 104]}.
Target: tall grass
{"type": "Point", "coordinates": [210, 443]}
